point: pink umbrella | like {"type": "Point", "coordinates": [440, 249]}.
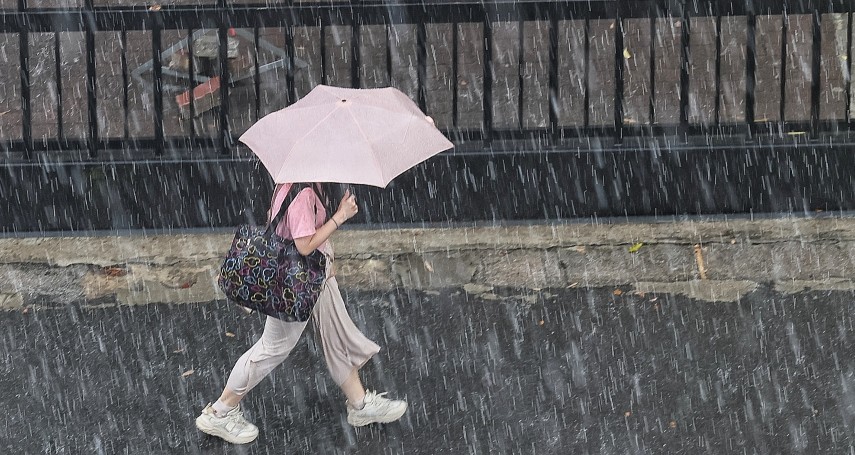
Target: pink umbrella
{"type": "Point", "coordinates": [345, 135]}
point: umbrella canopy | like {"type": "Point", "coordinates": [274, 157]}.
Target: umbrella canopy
{"type": "Point", "coordinates": [345, 135]}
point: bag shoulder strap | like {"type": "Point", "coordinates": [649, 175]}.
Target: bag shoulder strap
{"type": "Point", "coordinates": [292, 194]}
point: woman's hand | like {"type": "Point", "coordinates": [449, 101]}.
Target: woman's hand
{"type": "Point", "coordinates": [346, 208]}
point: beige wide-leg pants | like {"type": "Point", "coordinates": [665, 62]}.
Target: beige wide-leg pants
{"type": "Point", "coordinates": [345, 348]}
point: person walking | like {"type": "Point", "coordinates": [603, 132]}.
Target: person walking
{"type": "Point", "coordinates": [346, 349]}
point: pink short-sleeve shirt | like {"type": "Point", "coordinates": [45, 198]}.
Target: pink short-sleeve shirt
{"type": "Point", "coordinates": [304, 216]}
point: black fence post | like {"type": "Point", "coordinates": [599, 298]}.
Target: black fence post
{"type": "Point", "coordinates": [586, 102]}
{"type": "Point", "coordinates": [488, 79]}
{"type": "Point", "coordinates": [24, 62]}
{"type": "Point", "coordinates": [225, 138]}
{"type": "Point", "coordinates": [816, 61]}
{"type": "Point", "coordinates": [655, 8]}
{"type": "Point", "coordinates": [785, 27]}
{"type": "Point", "coordinates": [256, 77]}
{"type": "Point", "coordinates": [750, 66]}
{"type": "Point", "coordinates": [555, 129]}
{"type": "Point", "coordinates": [57, 58]}
{"type": "Point", "coordinates": [521, 73]}
{"type": "Point", "coordinates": [91, 84]}
{"type": "Point", "coordinates": [289, 74]}
{"type": "Point", "coordinates": [191, 73]}
{"type": "Point", "coordinates": [717, 105]}
{"type": "Point", "coordinates": [157, 80]}
{"type": "Point", "coordinates": [390, 74]}
{"type": "Point", "coordinates": [126, 121]}
{"type": "Point", "coordinates": [421, 64]}
{"type": "Point", "coordinates": [355, 53]}
{"type": "Point", "coordinates": [684, 67]}
{"type": "Point", "coordinates": [323, 50]}
{"type": "Point", "coordinates": [455, 70]}
{"type": "Point", "coordinates": [619, 67]}
{"type": "Point", "coordinates": [848, 79]}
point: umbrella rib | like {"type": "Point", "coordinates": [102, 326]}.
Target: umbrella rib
{"type": "Point", "coordinates": [407, 134]}
{"type": "Point", "coordinates": [367, 140]}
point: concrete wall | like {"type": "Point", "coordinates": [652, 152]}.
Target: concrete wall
{"type": "Point", "coordinates": [712, 261]}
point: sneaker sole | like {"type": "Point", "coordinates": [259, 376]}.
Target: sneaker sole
{"type": "Point", "coordinates": [218, 432]}
{"type": "Point", "coordinates": [362, 421]}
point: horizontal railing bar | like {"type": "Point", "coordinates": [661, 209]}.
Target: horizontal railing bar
{"type": "Point", "coordinates": [115, 144]}
{"type": "Point", "coordinates": [113, 152]}
{"type": "Point", "coordinates": [790, 128]}
{"type": "Point", "coordinates": [307, 14]}
{"type": "Point", "coordinates": [734, 133]}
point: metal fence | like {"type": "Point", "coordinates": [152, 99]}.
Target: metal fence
{"type": "Point", "coordinates": [499, 75]}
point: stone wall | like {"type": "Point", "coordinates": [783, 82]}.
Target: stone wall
{"type": "Point", "coordinates": [718, 260]}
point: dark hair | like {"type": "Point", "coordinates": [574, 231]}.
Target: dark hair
{"type": "Point", "coordinates": [329, 193]}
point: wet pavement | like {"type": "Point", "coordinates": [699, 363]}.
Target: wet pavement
{"type": "Point", "coordinates": [603, 370]}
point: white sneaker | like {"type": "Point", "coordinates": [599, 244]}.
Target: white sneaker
{"type": "Point", "coordinates": [232, 427]}
{"type": "Point", "coordinates": [377, 409]}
